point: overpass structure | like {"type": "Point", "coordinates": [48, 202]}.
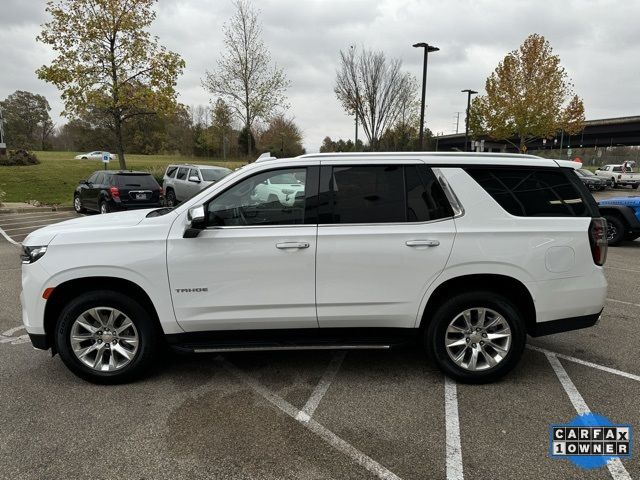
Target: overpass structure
{"type": "Point", "coordinates": [607, 132]}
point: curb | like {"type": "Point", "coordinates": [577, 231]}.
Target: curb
{"type": "Point", "coordinates": [35, 209]}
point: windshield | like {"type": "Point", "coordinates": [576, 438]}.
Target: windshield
{"type": "Point", "coordinates": [285, 178]}
{"type": "Point", "coordinates": [214, 174]}
{"type": "Point", "coordinates": [585, 173]}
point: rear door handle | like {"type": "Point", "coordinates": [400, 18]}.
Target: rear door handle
{"type": "Point", "coordinates": [423, 243]}
{"type": "Point", "coordinates": [286, 245]}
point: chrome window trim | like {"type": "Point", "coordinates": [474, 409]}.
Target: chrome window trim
{"type": "Point", "coordinates": [458, 209]}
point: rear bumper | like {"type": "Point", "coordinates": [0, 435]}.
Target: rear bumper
{"type": "Point", "coordinates": [565, 325]}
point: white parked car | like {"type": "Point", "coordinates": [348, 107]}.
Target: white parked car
{"type": "Point", "coordinates": [465, 253]}
{"type": "Point", "coordinates": [619, 175]}
{"type": "Point", "coordinates": [97, 155]}
{"type": "Point", "coordinates": [284, 188]}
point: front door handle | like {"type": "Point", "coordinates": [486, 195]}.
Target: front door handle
{"type": "Point", "coordinates": [423, 243]}
{"type": "Point", "coordinates": [286, 245]}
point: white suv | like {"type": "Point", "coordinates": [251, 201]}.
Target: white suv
{"type": "Point", "coordinates": [464, 253]}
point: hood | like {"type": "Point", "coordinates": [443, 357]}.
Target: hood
{"type": "Point", "coordinates": [43, 236]}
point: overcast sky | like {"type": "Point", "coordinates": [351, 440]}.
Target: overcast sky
{"type": "Point", "coordinates": [598, 43]}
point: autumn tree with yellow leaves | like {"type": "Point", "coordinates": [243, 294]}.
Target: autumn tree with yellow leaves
{"type": "Point", "coordinates": [528, 96]}
{"type": "Point", "coordinates": [108, 64]}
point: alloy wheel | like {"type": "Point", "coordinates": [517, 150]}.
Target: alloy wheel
{"type": "Point", "coordinates": [612, 231]}
{"type": "Point", "coordinates": [478, 339]}
{"type": "Point", "coordinates": [104, 339]}
{"type": "Point", "coordinates": [76, 204]}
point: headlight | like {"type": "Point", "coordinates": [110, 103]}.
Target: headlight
{"type": "Point", "coordinates": [31, 254]}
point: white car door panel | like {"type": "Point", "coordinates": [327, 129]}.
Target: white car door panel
{"type": "Point", "coordinates": [252, 280]}
{"type": "Point", "coordinates": [252, 268]}
{"type": "Point", "coordinates": [376, 275]}
{"type": "Point", "coordinates": [385, 234]}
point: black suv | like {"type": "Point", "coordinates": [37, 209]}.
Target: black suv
{"type": "Point", "coordinates": [107, 191]}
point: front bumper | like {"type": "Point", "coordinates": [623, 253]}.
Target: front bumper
{"type": "Point", "coordinates": [565, 325]}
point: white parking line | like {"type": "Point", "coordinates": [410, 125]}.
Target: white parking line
{"type": "Point", "coordinates": [6, 337]}
{"type": "Point", "coordinates": [7, 225]}
{"type": "Point", "coordinates": [623, 269]}
{"type": "Point", "coordinates": [320, 430]}
{"type": "Point", "coordinates": [314, 400]}
{"type": "Point", "coordinates": [586, 363]}
{"type": "Point", "coordinates": [452, 426]}
{"type": "Point", "coordinates": [7, 237]}
{"type": "Point", "coordinates": [30, 216]}
{"type": "Point", "coordinates": [615, 466]}
{"type": "Point", "coordinates": [624, 303]}
{"type": "Point", "coordinates": [35, 227]}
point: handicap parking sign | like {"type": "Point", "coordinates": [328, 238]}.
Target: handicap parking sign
{"type": "Point", "coordinates": [106, 156]}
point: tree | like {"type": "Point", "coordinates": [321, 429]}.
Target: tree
{"type": "Point", "coordinates": [107, 61]}
{"type": "Point", "coordinates": [28, 124]}
{"type": "Point", "coordinates": [374, 88]}
{"type": "Point", "coordinates": [244, 76]}
{"type": "Point", "coordinates": [528, 96]}
{"type": "Point", "coordinates": [221, 126]}
{"type": "Point", "coordinates": [282, 137]}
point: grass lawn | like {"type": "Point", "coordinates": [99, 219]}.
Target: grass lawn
{"type": "Point", "coordinates": [54, 180]}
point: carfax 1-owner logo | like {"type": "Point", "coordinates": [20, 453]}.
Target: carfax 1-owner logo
{"type": "Point", "coordinates": [590, 441]}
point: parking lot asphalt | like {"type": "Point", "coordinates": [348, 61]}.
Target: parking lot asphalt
{"type": "Point", "coordinates": [316, 415]}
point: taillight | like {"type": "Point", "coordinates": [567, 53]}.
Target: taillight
{"type": "Point", "coordinates": [115, 192]}
{"type": "Point", "coordinates": [598, 240]}
{"type": "Point", "coordinates": [161, 192]}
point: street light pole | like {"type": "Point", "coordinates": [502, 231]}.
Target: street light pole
{"type": "Point", "coordinates": [427, 48]}
{"type": "Point", "coordinates": [466, 120]}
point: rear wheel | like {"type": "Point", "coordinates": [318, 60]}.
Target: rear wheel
{"type": "Point", "coordinates": [476, 337]}
{"type": "Point", "coordinates": [104, 206]}
{"type": "Point", "coordinates": [615, 230]}
{"type": "Point", "coordinates": [77, 204]}
{"type": "Point", "coordinates": [106, 337]}
{"type": "Point", "coordinates": [170, 198]}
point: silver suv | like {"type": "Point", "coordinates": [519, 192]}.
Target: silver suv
{"type": "Point", "coordinates": [182, 182]}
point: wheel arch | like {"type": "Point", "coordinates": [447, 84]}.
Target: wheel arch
{"type": "Point", "coordinates": [512, 288]}
{"type": "Point", "coordinates": [66, 291]}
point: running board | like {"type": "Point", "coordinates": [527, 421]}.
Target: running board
{"type": "Point", "coordinates": [250, 348]}
{"type": "Point", "coordinates": [287, 340]}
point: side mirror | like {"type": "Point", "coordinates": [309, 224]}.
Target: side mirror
{"type": "Point", "coordinates": [196, 218]}
{"type": "Point", "coordinates": [194, 179]}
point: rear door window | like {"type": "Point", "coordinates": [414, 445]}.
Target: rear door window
{"type": "Point", "coordinates": [382, 194]}
{"type": "Point", "coordinates": [171, 171]}
{"type": "Point", "coordinates": [531, 192]}
{"type": "Point", "coordinates": [182, 173]}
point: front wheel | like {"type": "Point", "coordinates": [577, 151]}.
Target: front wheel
{"type": "Point", "coordinates": [476, 337]}
{"type": "Point", "coordinates": [77, 205]}
{"type": "Point", "coordinates": [106, 337]}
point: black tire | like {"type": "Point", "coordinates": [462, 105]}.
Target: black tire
{"type": "Point", "coordinates": [435, 335]}
{"type": "Point", "coordinates": [615, 230]}
{"type": "Point", "coordinates": [147, 332]}
{"type": "Point", "coordinates": [77, 204]}
{"type": "Point", "coordinates": [170, 198]}
{"type": "Point", "coordinates": [103, 206]}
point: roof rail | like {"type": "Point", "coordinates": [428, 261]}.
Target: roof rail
{"type": "Point", "coordinates": [416, 154]}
